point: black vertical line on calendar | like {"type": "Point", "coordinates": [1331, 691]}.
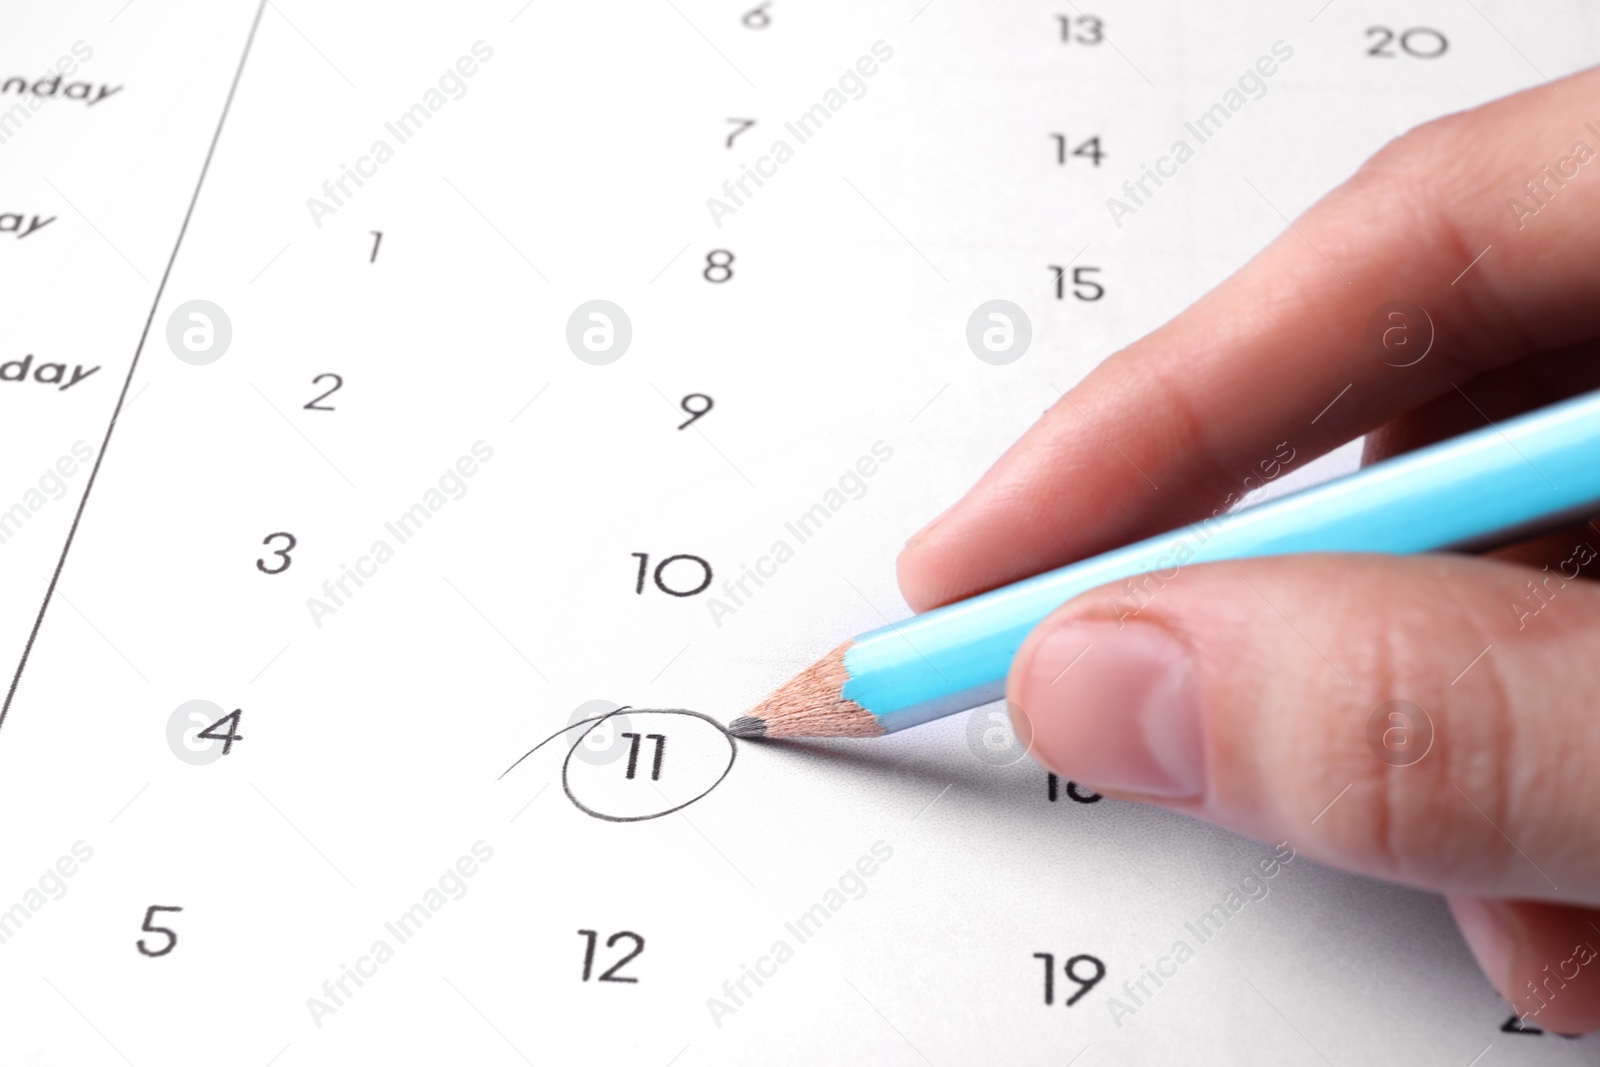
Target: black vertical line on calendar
{"type": "Point", "coordinates": [122, 397]}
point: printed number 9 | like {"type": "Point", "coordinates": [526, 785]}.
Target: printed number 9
{"type": "Point", "coordinates": [684, 404]}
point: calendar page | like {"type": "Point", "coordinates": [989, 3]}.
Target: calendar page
{"type": "Point", "coordinates": [425, 427]}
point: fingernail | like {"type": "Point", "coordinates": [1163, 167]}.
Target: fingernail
{"type": "Point", "coordinates": [1485, 931]}
{"type": "Point", "coordinates": [1117, 708]}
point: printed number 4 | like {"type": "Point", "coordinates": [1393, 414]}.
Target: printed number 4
{"type": "Point", "coordinates": [172, 938]}
{"type": "Point", "coordinates": [610, 974]}
{"type": "Point", "coordinates": [227, 739]}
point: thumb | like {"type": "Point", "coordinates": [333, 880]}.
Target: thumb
{"type": "Point", "coordinates": [1541, 957]}
{"type": "Point", "coordinates": [1427, 720]}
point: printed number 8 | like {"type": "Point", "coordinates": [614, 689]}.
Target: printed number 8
{"type": "Point", "coordinates": [712, 264]}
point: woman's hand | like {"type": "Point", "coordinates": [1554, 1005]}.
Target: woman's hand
{"type": "Point", "coordinates": [1260, 694]}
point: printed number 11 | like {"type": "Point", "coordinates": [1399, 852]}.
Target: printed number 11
{"type": "Point", "coordinates": [655, 765]}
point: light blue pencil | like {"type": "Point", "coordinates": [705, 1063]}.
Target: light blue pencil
{"type": "Point", "coordinates": [1490, 486]}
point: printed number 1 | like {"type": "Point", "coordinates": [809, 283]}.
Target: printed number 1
{"type": "Point", "coordinates": [377, 239]}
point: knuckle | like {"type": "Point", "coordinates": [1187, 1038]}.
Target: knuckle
{"type": "Point", "coordinates": [1425, 812]}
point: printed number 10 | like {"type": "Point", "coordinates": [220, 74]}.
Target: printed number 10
{"type": "Point", "coordinates": [661, 584]}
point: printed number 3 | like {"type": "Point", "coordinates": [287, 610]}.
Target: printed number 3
{"type": "Point", "coordinates": [281, 553]}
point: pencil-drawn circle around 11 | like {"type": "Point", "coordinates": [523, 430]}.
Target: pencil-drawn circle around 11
{"type": "Point", "coordinates": [665, 756]}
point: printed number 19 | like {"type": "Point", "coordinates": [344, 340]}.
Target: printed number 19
{"type": "Point", "coordinates": [1084, 983]}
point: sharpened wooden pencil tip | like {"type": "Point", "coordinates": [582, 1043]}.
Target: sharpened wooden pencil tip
{"type": "Point", "coordinates": [811, 704]}
{"type": "Point", "coordinates": [748, 726]}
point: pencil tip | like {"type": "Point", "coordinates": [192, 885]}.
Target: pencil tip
{"type": "Point", "coordinates": [748, 726]}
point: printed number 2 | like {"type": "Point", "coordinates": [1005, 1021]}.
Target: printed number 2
{"type": "Point", "coordinates": [338, 383]}
{"type": "Point", "coordinates": [611, 974]}
{"type": "Point", "coordinates": [172, 938]}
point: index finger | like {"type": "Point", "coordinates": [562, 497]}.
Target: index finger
{"type": "Point", "coordinates": [1275, 365]}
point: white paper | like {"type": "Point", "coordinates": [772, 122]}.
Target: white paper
{"type": "Point", "coordinates": [574, 163]}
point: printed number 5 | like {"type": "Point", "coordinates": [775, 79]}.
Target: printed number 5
{"type": "Point", "coordinates": [172, 938]}
{"type": "Point", "coordinates": [281, 553]}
